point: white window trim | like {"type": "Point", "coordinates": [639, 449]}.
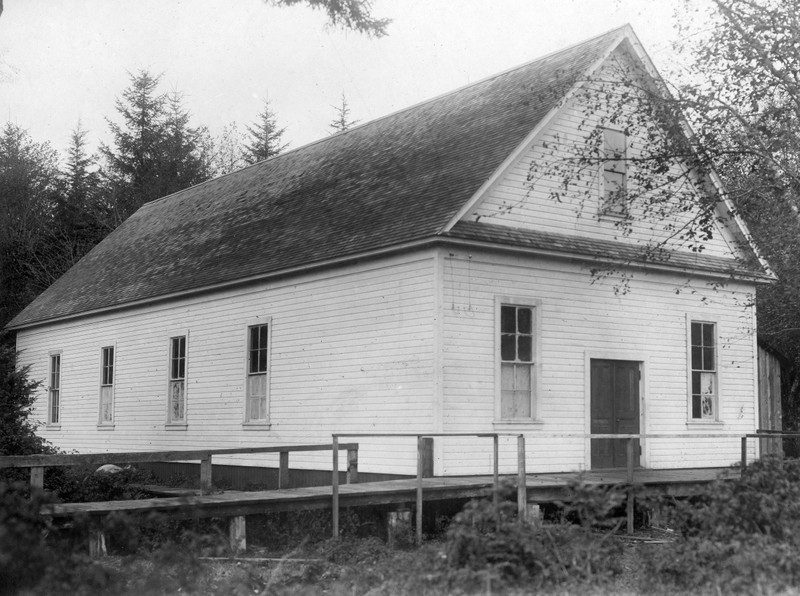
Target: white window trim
{"type": "Point", "coordinates": [602, 213]}
{"type": "Point", "coordinates": [266, 422]}
{"type": "Point", "coordinates": [536, 385]}
{"type": "Point", "coordinates": [700, 422]}
{"type": "Point", "coordinates": [104, 425]}
{"type": "Point", "coordinates": [55, 425]}
{"type": "Point", "coordinates": [169, 424]}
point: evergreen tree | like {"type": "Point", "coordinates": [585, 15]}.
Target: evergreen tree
{"type": "Point", "coordinates": [342, 121]}
{"type": "Point", "coordinates": [29, 191]}
{"type": "Point", "coordinates": [155, 152]}
{"type": "Point", "coordinates": [17, 394]}
{"type": "Point", "coordinates": [81, 217]}
{"type": "Point", "coordinates": [265, 137]}
{"type": "Point", "coordinates": [349, 14]}
{"type": "Point", "coordinates": [182, 162]}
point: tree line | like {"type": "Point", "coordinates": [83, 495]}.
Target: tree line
{"type": "Point", "coordinates": [53, 210]}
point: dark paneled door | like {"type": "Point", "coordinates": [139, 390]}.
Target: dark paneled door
{"type": "Point", "coordinates": [615, 410]}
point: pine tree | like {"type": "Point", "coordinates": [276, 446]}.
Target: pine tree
{"type": "Point", "coordinates": [155, 152]}
{"type": "Point", "coordinates": [29, 188]}
{"type": "Point", "coordinates": [265, 137]}
{"type": "Point", "coordinates": [182, 164]}
{"type": "Point", "coordinates": [342, 121]}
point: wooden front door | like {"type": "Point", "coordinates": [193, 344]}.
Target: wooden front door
{"type": "Point", "coordinates": [615, 410]}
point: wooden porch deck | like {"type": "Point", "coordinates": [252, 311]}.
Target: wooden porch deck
{"type": "Point", "coordinates": [541, 488]}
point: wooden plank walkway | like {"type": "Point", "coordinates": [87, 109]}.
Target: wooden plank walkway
{"type": "Point", "coordinates": [541, 488]}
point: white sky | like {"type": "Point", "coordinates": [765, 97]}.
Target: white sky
{"type": "Point", "coordinates": [65, 60]}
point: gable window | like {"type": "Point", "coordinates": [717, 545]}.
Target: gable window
{"type": "Point", "coordinates": [257, 365]}
{"type": "Point", "coordinates": [517, 362]}
{"type": "Point", "coordinates": [107, 385]}
{"type": "Point", "coordinates": [704, 371]}
{"type": "Point", "coordinates": [54, 391]}
{"type": "Point", "coordinates": [176, 412]}
{"type": "Point", "coordinates": [613, 200]}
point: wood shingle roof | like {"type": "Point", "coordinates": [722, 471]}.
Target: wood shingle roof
{"type": "Point", "coordinates": [388, 183]}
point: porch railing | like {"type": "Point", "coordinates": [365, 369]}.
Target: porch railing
{"type": "Point", "coordinates": [37, 463]}
{"type": "Point", "coordinates": [631, 438]}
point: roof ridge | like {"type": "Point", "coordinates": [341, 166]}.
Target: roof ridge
{"type": "Point", "coordinates": [403, 110]}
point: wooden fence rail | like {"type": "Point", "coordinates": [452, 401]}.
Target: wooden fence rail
{"type": "Point", "coordinates": [522, 490]}
{"type": "Point", "coordinates": [764, 434]}
{"type": "Point", "coordinates": [37, 463]}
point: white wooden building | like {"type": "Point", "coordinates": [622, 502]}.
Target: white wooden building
{"type": "Point", "coordinates": [410, 275]}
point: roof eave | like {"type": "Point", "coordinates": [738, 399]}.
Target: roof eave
{"type": "Point", "coordinates": [419, 244]}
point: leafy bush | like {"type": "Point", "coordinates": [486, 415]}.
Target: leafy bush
{"type": "Point", "coordinates": [488, 545]}
{"type": "Point", "coordinates": [17, 394]}
{"type": "Point", "coordinates": [23, 551]}
{"type": "Point", "coordinates": [84, 484]}
{"type": "Point", "coordinates": [739, 535]}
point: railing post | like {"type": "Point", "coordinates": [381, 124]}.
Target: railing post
{"type": "Point", "coordinates": [283, 470]}
{"type": "Point", "coordinates": [629, 456]}
{"type": "Point", "coordinates": [420, 466]}
{"type": "Point", "coordinates": [335, 488]}
{"type": "Point", "coordinates": [496, 471]}
{"type": "Point", "coordinates": [352, 466]}
{"type": "Point", "coordinates": [744, 453]}
{"type": "Point", "coordinates": [522, 489]}
{"type": "Point", "coordinates": [206, 481]}
{"type": "Point", "coordinates": [37, 478]}
{"type": "Point", "coordinates": [427, 457]}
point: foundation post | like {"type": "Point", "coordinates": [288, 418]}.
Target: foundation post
{"type": "Point", "coordinates": [206, 481]}
{"type": "Point", "coordinates": [37, 478]}
{"type": "Point", "coordinates": [237, 532]}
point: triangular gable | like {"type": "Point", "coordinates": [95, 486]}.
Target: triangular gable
{"type": "Point", "coordinates": [510, 198]}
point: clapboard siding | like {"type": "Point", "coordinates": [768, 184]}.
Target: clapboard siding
{"type": "Point", "coordinates": [581, 319]}
{"type": "Point", "coordinates": [351, 351]}
{"type": "Point", "coordinates": [522, 196]}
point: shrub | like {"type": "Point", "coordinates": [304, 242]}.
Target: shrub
{"type": "Point", "coordinates": [738, 535]}
{"type": "Point", "coordinates": [84, 484]}
{"type": "Point", "coordinates": [17, 394]}
{"type": "Point", "coordinates": [487, 545]}
{"type": "Point", "coordinates": [23, 550]}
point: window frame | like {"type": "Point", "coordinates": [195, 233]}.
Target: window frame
{"type": "Point", "coordinates": [716, 419]}
{"type": "Point", "coordinates": [617, 209]}
{"type": "Point", "coordinates": [535, 305]}
{"type": "Point", "coordinates": [52, 423]}
{"type": "Point", "coordinates": [174, 423]}
{"type": "Point", "coordinates": [104, 368]}
{"type": "Point", "coordinates": [257, 423]}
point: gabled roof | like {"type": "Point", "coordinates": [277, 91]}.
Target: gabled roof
{"type": "Point", "coordinates": [394, 182]}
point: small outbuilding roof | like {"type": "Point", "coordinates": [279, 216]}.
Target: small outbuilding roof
{"type": "Point", "coordinates": [390, 183]}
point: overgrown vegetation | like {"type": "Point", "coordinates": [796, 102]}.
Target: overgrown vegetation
{"type": "Point", "coordinates": [484, 547]}
{"type": "Point", "coordinates": [737, 537]}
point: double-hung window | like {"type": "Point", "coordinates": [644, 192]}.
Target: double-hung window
{"type": "Point", "coordinates": [54, 391]}
{"type": "Point", "coordinates": [613, 200]}
{"type": "Point", "coordinates": [518, 359]}
{"type": "Point", "coordinates": [257, 367]}
{"type": "Point", "coordinates": [704, 381]}
{"type": "Point", "coordinates": [176, 409]}
{"type": "Point", "coordinates": [107, 385]}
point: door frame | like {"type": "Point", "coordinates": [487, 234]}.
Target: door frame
{"type": "Point", "coordinates": [643, 360]}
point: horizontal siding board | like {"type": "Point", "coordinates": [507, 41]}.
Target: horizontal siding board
{"type": "Point", "coordinates": [332, 368]}
{"type": "Point", "coordinates": [579, 316]}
